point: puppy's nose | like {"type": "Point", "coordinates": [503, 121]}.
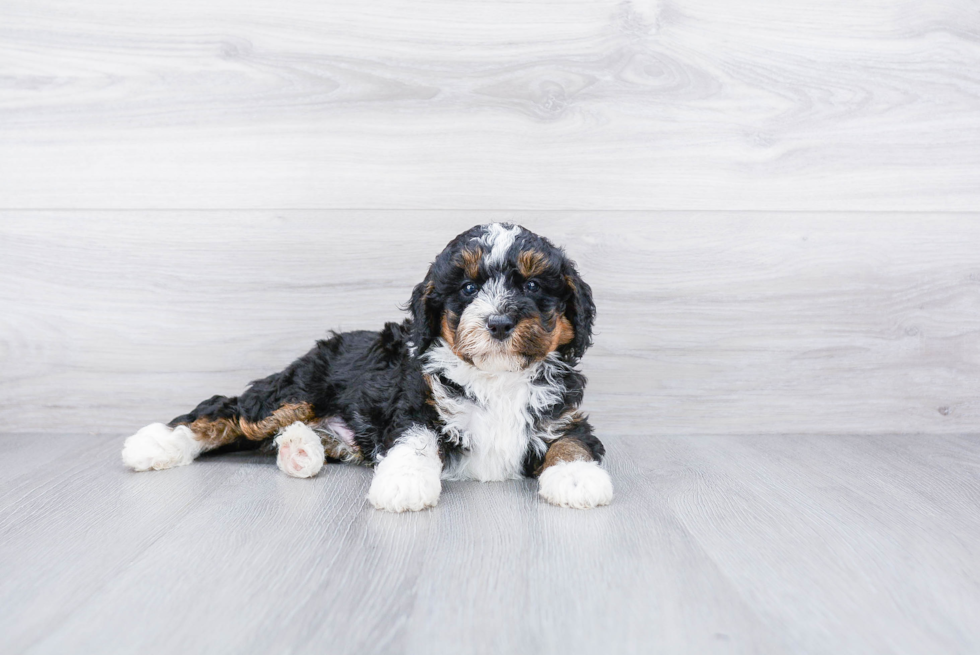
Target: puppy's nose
{"type": "Point", "coordinates": [500, 326]}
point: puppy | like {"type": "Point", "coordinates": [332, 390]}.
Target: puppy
{"type": "Point", "coordinates": [479, 384]}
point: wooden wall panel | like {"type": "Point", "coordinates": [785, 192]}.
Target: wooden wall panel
{"type": "Point", "coordinates": [599, 104]}
{"type": "Point", "coordinates": [708, 322]}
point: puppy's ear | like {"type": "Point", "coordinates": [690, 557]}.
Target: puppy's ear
{"type": "Point", "coordinates": [580, 310]}
{"type": "Point", "coordinates": [426, 312]}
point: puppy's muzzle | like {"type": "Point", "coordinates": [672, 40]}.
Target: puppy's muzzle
{"type": "Point", "coordinates": [500, 326]}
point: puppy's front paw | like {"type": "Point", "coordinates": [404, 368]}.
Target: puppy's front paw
{"type": "Point", "coordinates": [402, 491]}
{"type": "Point", "coordinates": [405, 481]}
{"type": "Point", "coordinates": [158, 447]}
{"type": "Point", "coordinates": [582, 485]}
{"type": "Point", "coordinates": [300, 451]}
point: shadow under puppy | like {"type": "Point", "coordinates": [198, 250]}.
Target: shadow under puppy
{"type": "Point", "coordinates": [479, 384]}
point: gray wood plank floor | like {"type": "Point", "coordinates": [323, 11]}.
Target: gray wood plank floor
{"type": "Point", "coordinates": [803, 544]}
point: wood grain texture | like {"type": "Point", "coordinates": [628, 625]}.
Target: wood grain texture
{"type": "Point", "coordinates": [775, 203]}
{"type": "Point", "coordinates": [709, 323]}
{"type": "Point", "coordinates": [718, 544]}
{"type": "Point", "coordinates": [597, 104]}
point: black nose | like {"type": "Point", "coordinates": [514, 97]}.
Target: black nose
{"type": "Point", "coordinates": [500, 326]}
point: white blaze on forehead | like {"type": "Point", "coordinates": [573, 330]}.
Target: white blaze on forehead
{"type": "Point", "coordinates": [498, 238]}
{"type": "Point", "coordinates": [492, 299]}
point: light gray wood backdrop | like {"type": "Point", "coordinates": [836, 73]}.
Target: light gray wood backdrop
{"type": "Point", "coordinates": [192, 192]}
{"type": "Point", "coordinates": [708, 323]}
{"type": "Point", "coordinates": [521, 104]}
{"type": "Point", "coordinates": [777, 203]}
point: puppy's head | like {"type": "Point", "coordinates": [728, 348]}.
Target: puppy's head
{"type": "Point", "coordinates": [502, 298]}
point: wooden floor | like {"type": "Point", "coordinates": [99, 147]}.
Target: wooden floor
{"type": "Point", "coordinates": [772, 544]}
{"type": "Point", "coordinates": [776, 202]}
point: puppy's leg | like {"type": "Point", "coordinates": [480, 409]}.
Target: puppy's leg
{"type": "Point", "coordinates": [570, 475]}
{"type": "Point", "coordinates": [213, 423]}
{"type": "Point", "coordinates": [408, 477]}
{"type": "Point", "coordinates": [216, 422]}
{"type": "Point", "coordinates": [301, 452]}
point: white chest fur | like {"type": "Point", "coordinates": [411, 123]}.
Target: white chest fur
{"type": "Point", "coordinates": [494, 424]}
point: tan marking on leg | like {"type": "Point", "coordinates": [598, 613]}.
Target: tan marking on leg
{"type": "Point", "coordinates": [286, 415]}
{"type": "Point", "coordinates": [337, 450]}
{"type": "Point", "coordinates": [214, 433]}
{"type": "Point", "coordinates": [566, 449]}
{"type": "Point", "coordinates": [334, 446]}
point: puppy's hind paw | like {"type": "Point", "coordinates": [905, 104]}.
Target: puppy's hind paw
{"type": "Point", "coordinates": [301, 452]}
{"type": "Point", "coordinates": [158, 447]}
{"type": "Point", "coordinates": [582, 485]}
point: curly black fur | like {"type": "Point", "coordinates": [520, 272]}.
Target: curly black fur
{"type": "Point", "coordinates": [374, 381]}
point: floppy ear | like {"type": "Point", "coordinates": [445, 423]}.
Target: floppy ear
{"type": "Point", "coordinates": [425, 316]}
{"type": "Point", "coordinates": [580, 310]}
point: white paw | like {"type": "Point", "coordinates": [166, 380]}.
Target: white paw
{"type": "Point", "coordinates": [408, 478]}
{"type": "Point", "coordinates": [158, 447]}
{"type": "Point", "coordinates": [581, 485]}
{"type": "Point", "coordinates": [300, 451]}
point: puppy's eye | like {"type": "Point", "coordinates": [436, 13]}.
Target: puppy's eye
{"type": "Point", "coordinates": [469, 289]}
{"type": "Point", "coordinates": [532, 286]}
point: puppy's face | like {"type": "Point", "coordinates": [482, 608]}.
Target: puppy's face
{"type": "Point", "coordinates": [502, 298]}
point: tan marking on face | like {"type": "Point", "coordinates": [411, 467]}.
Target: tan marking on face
{"type": "Point", "coordinates": [470, 261]}
{"type": "Point", "coordinates": [219, 432]}
{"type": "Point", "coordinates": [562, 334]}
{"type": "Point", "coordinates": [466, 340]}
{"type": "Point", "coordinates": [535, 341]}
{"type": "Point", "coordinates": [448, 331]}
{"type": "Point", "coordinates": [530, 339]}
{"type": "Point", "coordinates": [531, 263]}
{"type": "Point", "coordinates": [566, 449]}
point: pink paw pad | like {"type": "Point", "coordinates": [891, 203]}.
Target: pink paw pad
{"type": "Point", "coordinates": [300, 451]}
